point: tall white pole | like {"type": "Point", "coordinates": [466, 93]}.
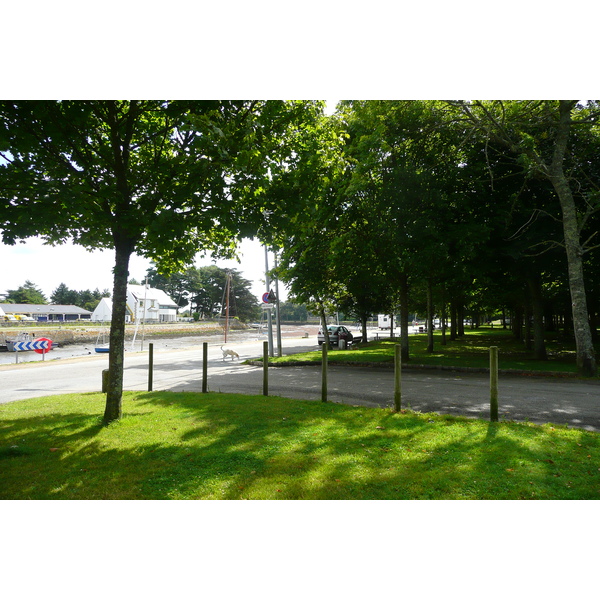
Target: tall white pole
{"type": "Point", "coordinates": [269, 319]}
{"type": "Point", "coordinates": [277, 317]}
{"type": "Point", "coordinates": [144, 317]}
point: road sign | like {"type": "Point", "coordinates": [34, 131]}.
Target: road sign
{"type": "Point", "coordinates": [41, 346]}
{"type": "Point", "coordinates": [269, 297]}
{"type": "Point", "coordinates": [46, 349]}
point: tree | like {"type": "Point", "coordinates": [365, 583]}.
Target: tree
{"type": "Point", "coordinates": [204, 289]}
{"type": "Point", "coordinates": [164, 179]}
{"type": "Point", "coordinates": [304, 236]}
{"type": "Point", "coordinates": [28, 293]}
{"type": "Point", "coordinates": [538, 133]}
{"type": "Point", "coordinates": [63, 295]}
{"type": "Point", "coordinates": [84, 298]}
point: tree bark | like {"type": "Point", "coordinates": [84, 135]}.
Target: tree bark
{"type": "Point", "coordinates": [443, 323]}
{"type": "Point", "coordinates": [453, 320]}
{"type": "Point", "coordinates": [429, 317]}
{"type": "Point", "coordinates": [537, 309]}
{"type": "Point", "coordinates": [586, 357]}
{"type": "Point", "coordinates": [363, 324]}
{"type": "Point", "coordinates": [404, 318]}
{"type": "Point", "coordinates": [113, 410]}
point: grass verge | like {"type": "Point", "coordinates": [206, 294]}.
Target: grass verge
{"type": "Point", "coordinates": [221, 446]}
{"type": "Point", "coordinates": [469, 351]}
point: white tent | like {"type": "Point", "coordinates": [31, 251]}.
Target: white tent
{"type": "Point", "coordinates": [103, 311]}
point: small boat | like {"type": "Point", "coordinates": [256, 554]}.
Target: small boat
{"type": "Point", "coordinates": [103, 347]}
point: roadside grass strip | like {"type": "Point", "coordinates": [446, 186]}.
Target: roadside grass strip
{"type": "Point", "coordinates": [224, 446]}
{"type": "Point", "coordinates": [468, 351]}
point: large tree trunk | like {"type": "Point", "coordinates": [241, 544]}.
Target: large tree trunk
{"type": "Point", "coordinates": [537, 309]}
{"type": "Point", "coordinates": [405, 353]}
{"type": "Point", "coordinates": [443, 323]}
{"type": "Point", "coordinates": [113, 411]}
{"type": "Point", "coordinates": [363, 323]}
{"type": "Point", "coordinates": [586, 357]}
{"type": "Point", "coordinates": [453, 320]}
{"type": "Point", "coordinates": [429, 317]}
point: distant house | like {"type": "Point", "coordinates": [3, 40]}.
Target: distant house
{"type": "Point", "coordinates": [143, 304]}
{"type": "Point", "coordinates": [47, 312]}
{"type": "Point", "coordinates": [150, 305]}
{"type": "Point", "coordinates": [103, 312]}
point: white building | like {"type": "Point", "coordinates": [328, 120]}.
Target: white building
{"type": "Point", "coordinates": [143, 304]}
{"type": "Point", "coordinates": [45, 312]}
{"type": "Point", "coordinates": [150, 305]}
{"type": "Point", "coordinates": [103, 312]}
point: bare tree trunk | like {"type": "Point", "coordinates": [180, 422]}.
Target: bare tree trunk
{"type": "Point", "coordinates": [404, 318]}
{"type": "Point", "coordinates": [586, 357]}
{"type": "Point", "coordinates": [537, 309]}
{"type": "Point", "coordinates": [444, 324]}
{"type": "Point", "coordinates": [453, 320]}
{"type": "Point", "coordinates": [363, 323]}
{"type": "Point", "coordinates": [429, 316]}
{"type": "Point", "coordinates": [113, 411]}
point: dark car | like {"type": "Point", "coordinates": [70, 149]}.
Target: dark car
{"type": "Point", "coordinates": [336, 333]}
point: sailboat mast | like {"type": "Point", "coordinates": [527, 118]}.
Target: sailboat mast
{"type": "Point", "coordinates": [227, 304]}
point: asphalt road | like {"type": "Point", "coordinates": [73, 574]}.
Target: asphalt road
{"type": "Point", "coordinates": [537, 399]}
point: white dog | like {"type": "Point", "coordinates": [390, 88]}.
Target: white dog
{"type": "Point", "coordinates": [227, 352]}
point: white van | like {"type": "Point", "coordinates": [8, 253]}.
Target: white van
{"type": "Point", "coordinates": [383, 321]}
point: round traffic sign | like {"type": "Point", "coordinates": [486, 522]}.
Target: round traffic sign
{"type": "Point", "coordinates": [43, 350]}
{"type": "Point", "coordinates": [265, 297]}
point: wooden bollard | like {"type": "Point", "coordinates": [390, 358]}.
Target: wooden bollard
{"type": "Point", "coordinates": [494, 383]}
{"type": "Point", "coordinates": [150, 365]}
{"type": "Point", "coordinates": [265, 368]}
{"type": "Point", "coordinates": [324, 374]}
{"type": "Point", "coordinates": [204, 367]}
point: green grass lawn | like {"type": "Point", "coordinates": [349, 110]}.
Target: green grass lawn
{"type": "Point", "coordinates": [471, 351]}
{"type": "Point", "coordinates": [220, 446]}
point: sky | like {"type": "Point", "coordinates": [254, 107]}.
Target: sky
{"type": "Point", "coordinates": [49, 266]}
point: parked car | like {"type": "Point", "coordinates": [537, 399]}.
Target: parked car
{"type": "Point", "coordinates": [336, 332]}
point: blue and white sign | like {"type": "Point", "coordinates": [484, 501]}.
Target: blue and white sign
{"type": "Point", "coordinates": [37, 345]}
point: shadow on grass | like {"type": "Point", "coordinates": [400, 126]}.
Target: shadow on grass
{"type": "Point", "coordinates": [216, 446]}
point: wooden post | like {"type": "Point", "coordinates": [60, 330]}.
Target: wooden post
{"type": "Point", "coordinates": [494, 383]}
{"type": "Point", "coordinates": [324, 374]}
{"type": "Point", "coordinates": [105, 381]}
{"type": "Point", "coordinates": [397, 378]}
{"type": "Point", "coordinates": [265, 368]}
{"type": "Point", "coordinates": [150, 365]}
{"type": "Point", "coordinates": [204, 367]}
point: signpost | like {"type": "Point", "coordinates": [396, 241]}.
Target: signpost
{"type": "Point", "coordinates": [41, 346]}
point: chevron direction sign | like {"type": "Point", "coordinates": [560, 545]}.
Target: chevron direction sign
{"type": "Point", "coordinates": [37, 345]}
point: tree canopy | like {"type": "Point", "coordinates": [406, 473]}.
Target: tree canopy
{"type": "Point", "coordinates": [28, 293]}
{"type": "Point", "coordinates": [458, 208]}
{"type": "Point", "coordinates": [164, 179]}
